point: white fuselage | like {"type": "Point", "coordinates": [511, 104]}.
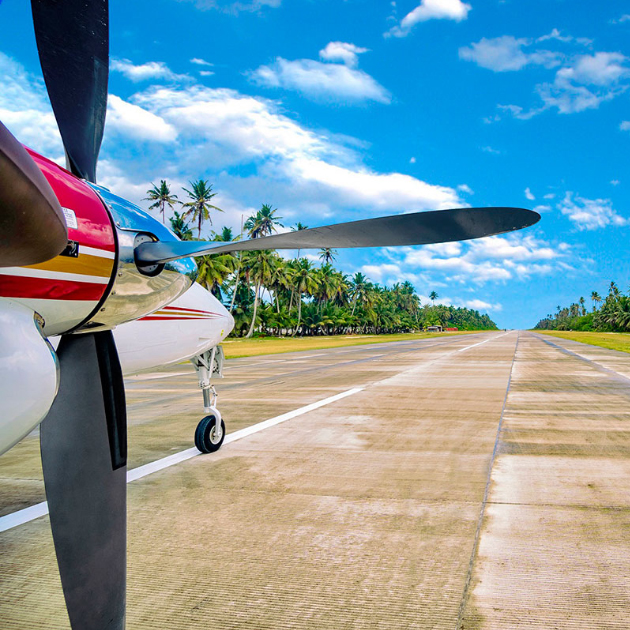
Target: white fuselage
{"type": "Point", "coordinates": [192, 324]}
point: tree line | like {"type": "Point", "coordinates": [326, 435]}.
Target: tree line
{"type": "Point", "coordinates": [269, 294]}
{"type": "Point", "coordinates": [609, 314]}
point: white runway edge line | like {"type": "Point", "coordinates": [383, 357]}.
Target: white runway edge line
{"type": "Point", "coordinates": [41, 509]}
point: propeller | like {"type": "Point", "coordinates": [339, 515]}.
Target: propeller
{"type": "Point", "coordinates": [83, 437]}
{"type": "Point", "coordinates": [32, 226]}
{"type": "Point", "coordinates": [419, 228]}
{"type": "Point", "coordinates": [73, 43]}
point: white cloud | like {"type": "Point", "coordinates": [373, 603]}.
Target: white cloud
{"type": "Point", "coordinates": [480, 305]}
{"type": "Point", "coordinates": [615, 182]}
{"type": "Point", "coordinates": [342, 51]}
{"type": "Point", "coordinates": [230, 6]}
{"type": "Point", "coordinates": [602, 68]}
{"type": "Point", "coordinates": [318, 81]}
{"type": "Point", "coordinates": [465, 188]}
{"type": "Point", "coordinates": [200, 62]}
{"type": "Point", "coordinates": [25, 109]}
{"type": "Point", "coordinates": [221, 127]}
{"type": "Point", "coordinates": [412, 160]}
{"type": "Point", "coordinates": [431, 10]}
{"type": "Point", "coordinates": [491, 150]}
{"type": "Point", "coordinates": [529, 195]}
{"type": "Point", "coordinates": [151, 70]}
{"type": "Point", "coordinates": [135, 122]}
{"type": "Point", "coordinates": [454, 248]}
{"type": "Point", "coordinates": [506, 53]}
{"type": "Point", "coordinates": [582, 83]}
{"type": "Point", "coordinates": [625, 125]}
{"type": "Point", "coordinates": [555, 34]}
{"type": "Point", "coordinates": [491, 259]}
{"type": "Point", "coordinates": [622, 19]}
{"type": "Point", "coordinates": [206, 73]}
{"type": "Point", "coordinates": [379, 191]}
{"type": "Point", "coordinates": [590, 214]}
{"type": "Point", "coordinates": [541, 209]}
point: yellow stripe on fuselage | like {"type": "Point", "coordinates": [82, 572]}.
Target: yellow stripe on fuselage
{"type": "Point", "coordinates": [84, 264]}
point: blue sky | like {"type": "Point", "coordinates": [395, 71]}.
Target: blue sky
{"type": "Point", "coordinates": [335, 110]}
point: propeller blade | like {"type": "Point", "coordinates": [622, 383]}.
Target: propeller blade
{"type": "Point", "coordinates": [73, 43]}
{"type": "Point", "coordinates": [32, 226]}
{"type": "Point", "coordinates": [84, 451]}
{"type": "Point", "coordinates": [419, 228]}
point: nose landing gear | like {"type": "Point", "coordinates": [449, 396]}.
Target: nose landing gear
{"type": "Point", "coordinates": [210, 431]}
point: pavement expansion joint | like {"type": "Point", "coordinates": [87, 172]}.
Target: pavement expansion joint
{"type": "Point", "coordinates": [475, 547]}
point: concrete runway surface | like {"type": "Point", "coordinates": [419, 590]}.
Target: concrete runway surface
{"type": "Point", "coordinates": [478, 481]}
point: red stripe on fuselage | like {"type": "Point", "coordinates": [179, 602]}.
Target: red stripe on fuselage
{"type": "Point", "coordinates": [191, 310]}
{"type": "Point", "coordinates": [47, 289]}
{"type": "Point", "coordinates": [163, 318]}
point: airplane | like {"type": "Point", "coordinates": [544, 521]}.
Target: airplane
{"type": "Point", "coordinates": [78, 262]}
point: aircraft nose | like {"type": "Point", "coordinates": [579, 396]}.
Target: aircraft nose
{"type": "Point", "coordinates": [227, 317]}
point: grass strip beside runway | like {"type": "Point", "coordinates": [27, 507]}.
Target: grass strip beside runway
{"type": "Point", "coordinates": [612, 341]}
{"type": "Point", "coordinates": [237, 348]}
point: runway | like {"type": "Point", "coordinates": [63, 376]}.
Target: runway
{"type": "Point", "coordinates": [476, 481]}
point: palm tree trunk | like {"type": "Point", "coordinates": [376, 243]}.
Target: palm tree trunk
{"type": "Point", "coordinates": [297, 327]}
{"type": "Point", "coordinates": [251, 328]}
{"type": "Point", "coordinates": [238, 277]}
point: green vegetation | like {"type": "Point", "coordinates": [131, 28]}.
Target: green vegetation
{"type": "Point", "coordinates": [236, 348]}
{"type": "Point", "coordinates": [611, 314]}
{"type": "Point", "coordinates": [612, 341]}
{"type": "Point", "coordinates": [269, 295]}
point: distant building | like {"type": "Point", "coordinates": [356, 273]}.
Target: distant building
{"type": "Point", "coordinates": [451, 329]}
{"type": "Point", "coordinates": [434, 328]}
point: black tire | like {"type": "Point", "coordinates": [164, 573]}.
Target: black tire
{"type": "Point", "coordinates": [204, 440]}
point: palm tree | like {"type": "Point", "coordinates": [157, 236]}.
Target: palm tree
{"type": "Point", "coordinates": [279, 279]}
{"type": "Point", "coordinates": [327, 255]}
{"type": "Point", "coordinates": [298, 227]}
{"type": "Point", "coordinates": [264, 222]}
{"type": "Point", "coordinates": [243, 271]}
{"type": "Point", "coordinates": [433, 296]}
{"type": "Point", "coordinates": [161, 197]}
{"type": "Point", "coordinates": [326, 284]}
{"type": "Point", "coordinates": [304, 282]}
{"type": "Point", "coordinates": [359, 288]}
{"type": "Point", "coordinates": [225, 235]}
{"type": "Point", "coordinates": [180, 227]}
{"type": "Point", "coordinates": [214, 270]}
{"type": "Point", "coordinates": [595, 297]}
{"type": "Point", "coordinates": [261, 271]}
{"type": "Point", "coordinates": [200, 205]}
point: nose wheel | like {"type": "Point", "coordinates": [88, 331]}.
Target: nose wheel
{"type": "Point", "coordinates": [210, 433]}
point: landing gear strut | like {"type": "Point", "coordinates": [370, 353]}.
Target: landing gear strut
{"type": "Point", "coordinates": [210, 431]}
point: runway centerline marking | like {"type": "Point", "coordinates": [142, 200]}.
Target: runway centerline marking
{"type": "Point", "coordinates": [150, 377]}
{"type": "Point", "coordinates": [41, 509]}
